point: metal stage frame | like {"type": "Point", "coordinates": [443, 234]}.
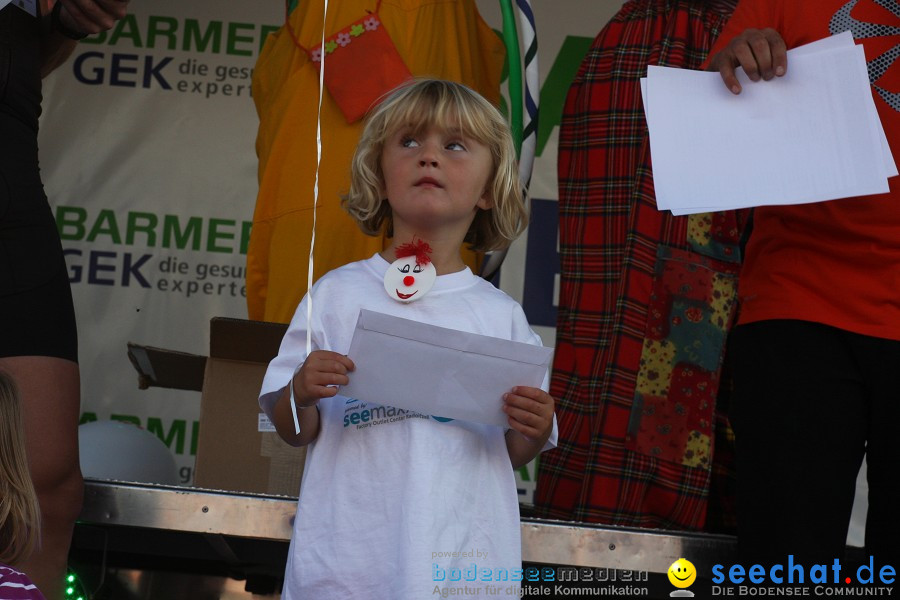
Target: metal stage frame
{"type": "Point", "coordinates": [149, 527]}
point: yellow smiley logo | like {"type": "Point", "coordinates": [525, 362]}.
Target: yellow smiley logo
{"type": "Point", "coordinates": [682, 573]}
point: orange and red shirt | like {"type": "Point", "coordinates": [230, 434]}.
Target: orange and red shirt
{"type": "Point", "coordinates": [836, 262]}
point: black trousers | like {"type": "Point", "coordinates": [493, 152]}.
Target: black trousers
{"type": "Point", "coordinates": [37, 315]}
{"type": "Point", "coordinates": [810, 402]}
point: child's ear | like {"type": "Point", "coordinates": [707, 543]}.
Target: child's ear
{"type": "Point", "coordinates": [485, 202]}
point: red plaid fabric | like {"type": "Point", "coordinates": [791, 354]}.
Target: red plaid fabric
{"type": "Point", "coordinates": [611, 242]}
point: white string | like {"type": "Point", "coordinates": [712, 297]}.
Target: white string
{"type": "Point", "coordinates": [312, 241]}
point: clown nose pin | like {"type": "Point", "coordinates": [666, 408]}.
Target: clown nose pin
{"type": "Point", "coordinates": [409, 280]}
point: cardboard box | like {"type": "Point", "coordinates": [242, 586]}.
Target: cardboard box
{"type": "Point", "coordinates": [235, 452]}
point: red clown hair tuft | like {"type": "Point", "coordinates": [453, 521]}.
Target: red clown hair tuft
{"type": "Point", "coordinates": [418, 248]}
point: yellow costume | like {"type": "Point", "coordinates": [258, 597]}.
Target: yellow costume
{"type": "Point", "coordinates": [442, 38]}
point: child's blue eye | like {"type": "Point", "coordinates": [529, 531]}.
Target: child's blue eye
{"type": "Point", "coordinates": [409, 143]}
{"type": "Point", "coordinates": [455, 146]}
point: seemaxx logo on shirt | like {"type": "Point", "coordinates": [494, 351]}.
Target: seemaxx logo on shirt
{"type": "Point", "coordinates": [375, 415]}
{"type": "Point", "coordinates": [364, 415]}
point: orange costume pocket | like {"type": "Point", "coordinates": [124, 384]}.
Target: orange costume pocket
{"type": "Point", "coordinates": [361, 65]}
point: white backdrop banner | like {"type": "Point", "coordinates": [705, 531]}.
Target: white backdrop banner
{"type": "Point", "coordinates": [147, 150]}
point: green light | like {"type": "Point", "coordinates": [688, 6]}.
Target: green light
{"type": "Point", "coordinates": [74, 588]}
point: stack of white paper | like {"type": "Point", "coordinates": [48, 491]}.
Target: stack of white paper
{"type": "Point", "coordinates": [809, 136]}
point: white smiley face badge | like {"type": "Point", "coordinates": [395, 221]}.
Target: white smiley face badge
{"type": "Point", "coordinates": [407, 280]}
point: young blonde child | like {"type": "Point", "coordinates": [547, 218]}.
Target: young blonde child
{"type": "Point", "coordinates": [19, 510]}
{"type": "Point", "coordinates": [396, 504]}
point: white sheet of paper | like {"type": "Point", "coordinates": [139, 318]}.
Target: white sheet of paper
{"type": "Point", "coordinates": [841, 40]}
{"type": "Point", "coordinates": [675, 211]}
{"type": "Point", "coordinates": [439, 371]}
{"type": "Point", "coordinates": [775, 128]}
{"type": "Point", "coordinates": [845, 40]}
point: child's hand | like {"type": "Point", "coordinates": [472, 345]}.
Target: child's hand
{"type": "Point", "coordinates": [320, 370]}
{"type": "Point", "coordinates": [530, 412]}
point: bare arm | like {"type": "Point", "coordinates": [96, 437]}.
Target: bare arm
{"type": "Point", "coordinates": [530, 413]}
{"type": "Point", "coordinates": [313, 381]}
{"type": "Point", "coordinates": [74, 18]}
{"type": "Point", "coordinates": [55, 49]}
{"type": "Point", "coordinates": [308, 417]}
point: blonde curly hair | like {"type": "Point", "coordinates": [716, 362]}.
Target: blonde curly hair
{"type": "Point", "coordinates": [418, 105]}
{"type": "Point", "coordinates": [19, 510]}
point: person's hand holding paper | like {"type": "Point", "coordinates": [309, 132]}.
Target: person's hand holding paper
{"type": "Point", "coordinates": [317, 375]}
{"type": "Point", "coordinates": [761, 53]}
{"type": "Point", "coordinates": [438, 371]}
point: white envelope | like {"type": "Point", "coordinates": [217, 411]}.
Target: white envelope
{"type": "Point", "coordinates": [439, 371]}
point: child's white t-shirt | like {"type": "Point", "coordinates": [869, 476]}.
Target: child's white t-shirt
{"type": "Point", "coordinates": [395, 504]}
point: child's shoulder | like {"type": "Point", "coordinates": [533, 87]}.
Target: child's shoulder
{"type": "Point", "coordinates": [353, 268]}
{"type": "Point", "coordinates": [353, 274]}
{"type": "Point", "coordinates": [492, 300]}
{"type": "Point", "coordinates": [492, 293]}
{"type": "Point", "coordinates": [504, 312]}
